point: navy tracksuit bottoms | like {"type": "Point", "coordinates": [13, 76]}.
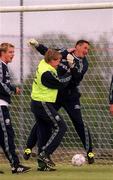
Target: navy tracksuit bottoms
{"type": "Point", "coordinates": [72, 108]}
{"type": "Point", "coordinates": [50, 126]}
{"type": "Point", "coordinates": [7, 136]}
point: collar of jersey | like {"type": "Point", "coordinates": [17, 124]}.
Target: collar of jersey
{"type": "Point", "coordinates": [3, 62]}
{"type": "Point", "coordinates": [76, 57]}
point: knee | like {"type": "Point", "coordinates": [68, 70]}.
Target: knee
{"type": "Point", "coordinates": [78, 122]}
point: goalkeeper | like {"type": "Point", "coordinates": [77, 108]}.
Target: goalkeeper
{"type": "Point", "coordinates": [69, 98]}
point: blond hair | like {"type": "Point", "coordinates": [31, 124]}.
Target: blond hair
{"type": "Point", "coordinates": [4, 47]}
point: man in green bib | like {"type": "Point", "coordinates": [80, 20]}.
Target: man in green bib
{"type": "Point", "coordinates": [50, 125]}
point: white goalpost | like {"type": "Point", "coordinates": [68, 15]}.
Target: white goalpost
{"type": "Point", "coordinates": [62, 7]}
{"type": "Point", "coordinates": [94, 88]}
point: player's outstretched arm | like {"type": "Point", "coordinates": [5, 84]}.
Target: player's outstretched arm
{"type": "Point", "coordinates": [42, 49]}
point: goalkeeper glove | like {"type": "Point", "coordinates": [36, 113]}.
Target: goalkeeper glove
{"type": "Point", "coordinates": [33, 42]}
{"type": "Point", "coordinates": [70, 60]}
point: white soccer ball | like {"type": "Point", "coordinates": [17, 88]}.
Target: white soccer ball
{"type": "Point", "coordinates": [78, 160]}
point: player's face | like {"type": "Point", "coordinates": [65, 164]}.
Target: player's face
{"type": "Point", "coordinates": [8, 55]}
{"type": "Point", "coordinates": [82, 50]}
{"type": "Point", "coordinates": [55, 63]}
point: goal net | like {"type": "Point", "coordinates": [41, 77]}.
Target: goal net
{"type": "Point", "coordinates": [94, 99]}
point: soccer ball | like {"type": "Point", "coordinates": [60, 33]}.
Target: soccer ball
{"type": "Point", "coordinates": [78, 160]}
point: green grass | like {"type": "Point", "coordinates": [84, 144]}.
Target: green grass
{"type": "Point", "coordinates": [64, 172]}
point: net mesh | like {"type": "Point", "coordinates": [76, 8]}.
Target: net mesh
{"type": "Point", "coordinates": [94, 100]}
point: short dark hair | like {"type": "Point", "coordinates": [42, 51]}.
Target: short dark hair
{"type": "Point", "coordinates": [81, 41]}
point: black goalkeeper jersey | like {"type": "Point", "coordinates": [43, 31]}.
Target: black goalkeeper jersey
{"type": "Point", "coordinates": [71, 91]}
{"type": "Point", "coordinates": [6, 88]}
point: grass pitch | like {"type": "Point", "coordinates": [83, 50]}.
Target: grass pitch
{"type": "Point", "coordinates": [64, 172]}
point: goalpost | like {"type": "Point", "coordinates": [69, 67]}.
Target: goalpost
{"type": "Point", "coordinates": [61, 7]}
{"type": "Point", "coordinates": [94, 88]}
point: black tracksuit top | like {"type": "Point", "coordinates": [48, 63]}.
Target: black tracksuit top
{"type": "Point", "coordinates": [6, 88]}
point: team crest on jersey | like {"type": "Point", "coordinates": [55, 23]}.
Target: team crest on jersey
{"type": "Point", "coordinates": [63, 66]}
{"type": "Point", "coordinates": [7, 121]}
